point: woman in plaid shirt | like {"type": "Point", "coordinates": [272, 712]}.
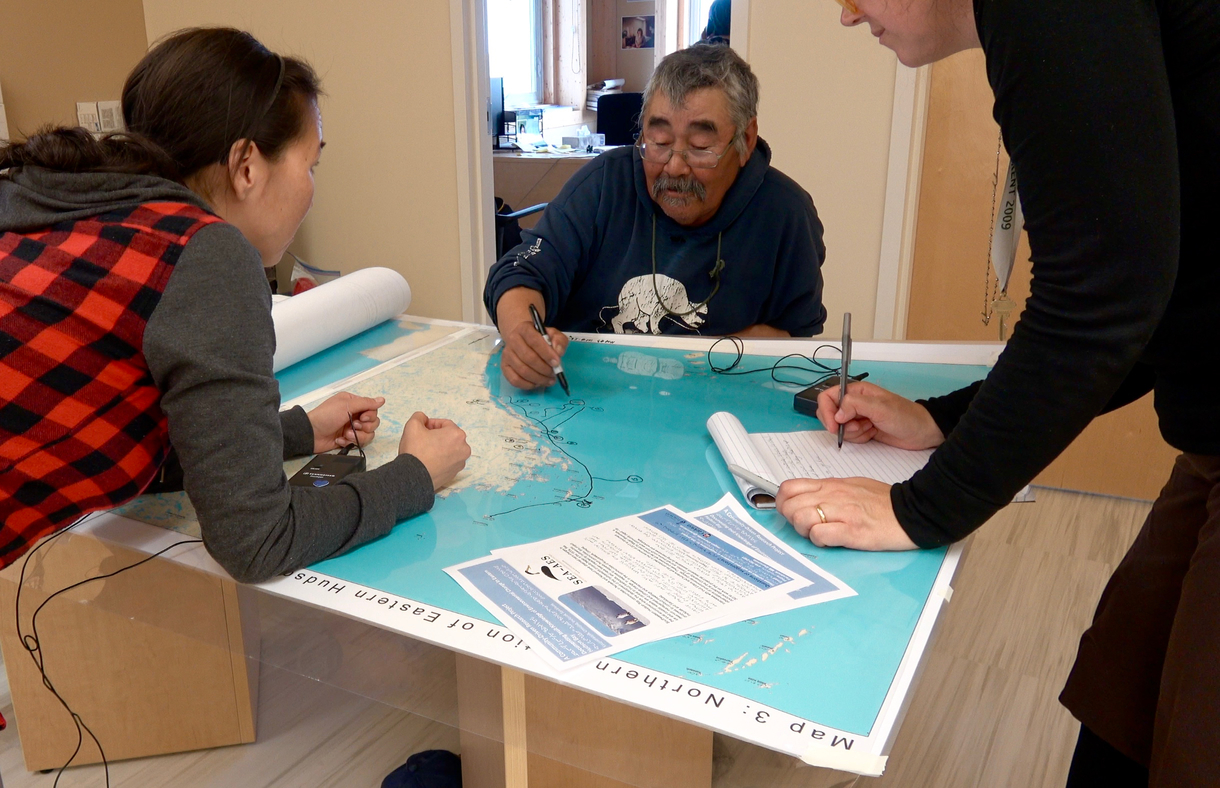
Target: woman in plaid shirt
{"type": "Point", "coordinates": [135, 316]}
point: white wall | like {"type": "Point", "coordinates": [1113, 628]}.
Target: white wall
{"type": "Point", "coordinates": [827, 98]}
{"type": "Point", "coordinates": [387, 186]}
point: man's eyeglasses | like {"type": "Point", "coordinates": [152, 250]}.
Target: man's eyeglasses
{"type": "Point", "coordinates": [849, 6]}
{"type": "Point", "coordinates": [697, 158]}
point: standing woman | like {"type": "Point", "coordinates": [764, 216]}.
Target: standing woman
{"type": "Point", "coordinates": [134, 314]}
{"type": "Point", "coordinates": [1111, 112]}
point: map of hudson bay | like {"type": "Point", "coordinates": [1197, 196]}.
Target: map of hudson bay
{"type": "Point", "coordinates": [632, 436]}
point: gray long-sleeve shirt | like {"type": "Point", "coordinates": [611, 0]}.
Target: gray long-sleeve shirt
{"type": "Point", "coordinates": [209, 345]}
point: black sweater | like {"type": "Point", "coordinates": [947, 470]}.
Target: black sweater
{"type": "Point", "coordinates": [1111, 112]}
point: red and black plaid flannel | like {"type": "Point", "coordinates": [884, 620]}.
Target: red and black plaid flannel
{"type": "Point", "coordinates": [81, 427]}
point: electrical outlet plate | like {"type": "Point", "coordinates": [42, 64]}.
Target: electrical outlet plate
{"type": "Point", "coordinates": [110, 115]}
{"type": "Point", "coordinates": [86, 116]}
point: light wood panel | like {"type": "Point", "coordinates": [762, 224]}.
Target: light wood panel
{"type": "Point", "coordinates": [826, 105]}
{"type": "Point", "coordinates": [565, 60]}
{"type": "Point", "coordinates": [1119, 454]}
{"type": "Point", "coordinates": [953, 229]}
{"type": "Point", "coordinates": [604, 40]}
{"type": "Point", "coordinates": [154, 660]}
{"type": "Point", "coordinates": [481, 712]}
{"type": "Point", "coordinates": [633, 65]}
{"type": "Point", "coordinates": [519, 731]}
{"type": "Point", "coordinates": [355, 657]}
{"type": "Point", "coordinates": [580, 739]}
{"type": "Point", "coordinates": [312, 735]}
{"type": "Point", "coordinates": [516, 752]}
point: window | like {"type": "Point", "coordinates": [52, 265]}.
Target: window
{"type": "Point", "coordinates": [696, 13]}
{"type": "Point", "coordinates": [514, 47]}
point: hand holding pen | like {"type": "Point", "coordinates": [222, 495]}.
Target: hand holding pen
{"type": "Point", "coordinates": [557, 367]}
{"type": "Point", "coordinates": [872, 413]}
{"type": "Point", "coordinates": [529, 357]}
{"type": "Point", "coordinates": [843, 368]}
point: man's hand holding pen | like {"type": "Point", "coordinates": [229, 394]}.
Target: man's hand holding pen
{"type": "Point", "coordinates": [528, 360]}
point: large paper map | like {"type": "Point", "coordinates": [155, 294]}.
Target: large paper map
{"type": "Point", "coordinates": [630, 437]}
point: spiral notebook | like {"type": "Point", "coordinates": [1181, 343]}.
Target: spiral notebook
{"type": "Point", "coordinates": [810, 454]}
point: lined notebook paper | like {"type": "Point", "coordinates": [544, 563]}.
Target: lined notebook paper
{"type": "Point", "coordinates": [810, 454]}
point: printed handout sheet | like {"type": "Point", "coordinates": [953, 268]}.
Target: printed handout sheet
{"type": "Point", "coordinates": [731, 519]}
{"type": "Point", "coordinates": [637, 579]}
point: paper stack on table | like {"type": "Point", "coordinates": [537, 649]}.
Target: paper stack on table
{"type": "Point", "coordinates": [580, 596]}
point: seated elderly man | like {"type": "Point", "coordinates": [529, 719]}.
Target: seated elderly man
{"type": "Point", "coordinates": [689, 231]}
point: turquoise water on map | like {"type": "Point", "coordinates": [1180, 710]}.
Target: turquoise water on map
{"type": "Point", "coordinates": [633, 437]}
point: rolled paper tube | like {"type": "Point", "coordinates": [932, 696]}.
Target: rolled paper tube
{"type": "Point", "coordinates": [328, 314]}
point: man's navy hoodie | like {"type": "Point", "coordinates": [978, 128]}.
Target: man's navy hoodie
{"type": "Point", "coordinates": [591, 255]}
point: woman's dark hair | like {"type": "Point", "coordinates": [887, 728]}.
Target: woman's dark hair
{"type": "Point", "coordinates": [193, 96]}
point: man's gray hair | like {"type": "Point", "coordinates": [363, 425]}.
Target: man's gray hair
{"type": "Point", "coordinates": [707, 66]}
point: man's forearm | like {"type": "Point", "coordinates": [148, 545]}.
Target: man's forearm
{"type": "Point", "coordinates": [514, 307]}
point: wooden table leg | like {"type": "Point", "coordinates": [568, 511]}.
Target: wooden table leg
{"type": "Point", "coordinates": [569, 737]}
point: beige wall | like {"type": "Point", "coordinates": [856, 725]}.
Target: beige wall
{"type": "Point", "coordinates": [827, 98]}
{"type": "Point", "coordinates": [387, 185]}
{"type": "Point", "coordinates": [54, 53]}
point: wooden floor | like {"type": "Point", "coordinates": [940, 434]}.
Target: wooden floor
{"type": "Point", "coordinates": [984, 712]}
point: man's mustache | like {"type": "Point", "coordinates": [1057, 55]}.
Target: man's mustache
{"type": "Point", "coordinates": [684, 186]}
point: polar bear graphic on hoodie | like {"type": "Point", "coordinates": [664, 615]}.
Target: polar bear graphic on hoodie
{"type": "Point", "coordinates": [638, 305]}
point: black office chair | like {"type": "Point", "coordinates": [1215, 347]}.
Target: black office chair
{"type": "Point", "coordinates": [508, 229]}
{"type": "Point", "coordinates": [618, 117]}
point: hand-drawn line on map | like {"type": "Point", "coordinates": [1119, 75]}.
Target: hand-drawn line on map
{"type": "Point", "coordinates": [569, 410]}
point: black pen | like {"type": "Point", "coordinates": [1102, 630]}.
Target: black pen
{"type": "Point", "coordinates": [558, 368]}
{"type": "Point", "coordinates": [843, 368]}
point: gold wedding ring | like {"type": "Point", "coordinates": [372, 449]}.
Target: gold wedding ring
{"type": "Point", "coordinates": [821, 513]}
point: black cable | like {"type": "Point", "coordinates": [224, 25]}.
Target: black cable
{"type": "Point", "coordinates": [348, 448]}
{"type": "Point", "coordinates": [817, 369]}
{"type": "Point", "coordinates": [32, 644]}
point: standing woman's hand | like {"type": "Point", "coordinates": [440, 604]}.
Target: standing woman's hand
{"type": "Point", "coordinates": [331, 427]}
{"type": "Point", "coordinates": [854, 513]}
{"type": "Point", "coordinates": [872, 413]}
